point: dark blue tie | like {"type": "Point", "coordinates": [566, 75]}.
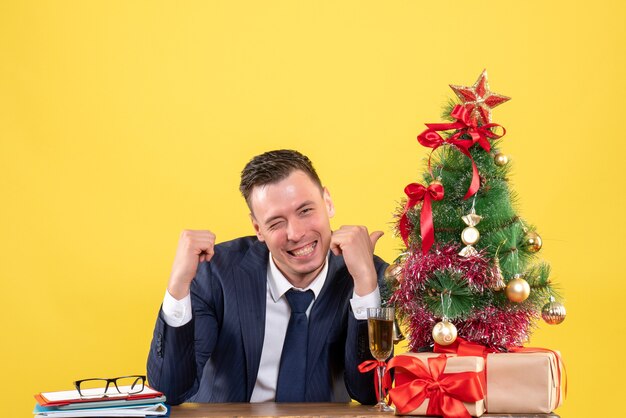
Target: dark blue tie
{"type": "Point", "coordinates": [292, 373]}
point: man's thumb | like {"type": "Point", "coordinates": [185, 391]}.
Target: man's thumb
{"type": "Point", "coordinates": [374, 236]}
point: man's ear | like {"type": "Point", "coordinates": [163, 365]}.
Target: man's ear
{"type": "Point", "coordinates": [257, 228]}
{"type": "Point", "coordinates": [330, 207]}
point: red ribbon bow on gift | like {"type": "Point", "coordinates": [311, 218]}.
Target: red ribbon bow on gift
{"type": "Point", "coordinates": [446, 392]}
{"type": "Point", "coordinates": [369, 365]}
{"type": "Point", "coordinates": [464, 125]}
{"type": "Point", "coordinates": [416, 193]}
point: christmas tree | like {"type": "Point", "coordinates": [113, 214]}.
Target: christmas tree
{"type": "Point", "coordinates": [470, 265]}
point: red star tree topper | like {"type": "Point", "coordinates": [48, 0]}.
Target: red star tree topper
{"type": "Point", "coordinates": [478, 99]}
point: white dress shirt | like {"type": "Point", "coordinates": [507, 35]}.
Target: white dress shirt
{"type": "Point", "coordinates": [179, 312]}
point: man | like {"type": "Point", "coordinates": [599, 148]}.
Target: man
{"type": "Point", "coordinates": [232, 329]}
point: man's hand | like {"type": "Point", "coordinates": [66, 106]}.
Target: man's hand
{"type": "Point", "coordinates": [357, 247]}
{"type": "Point", "coordinates": [194, 247]}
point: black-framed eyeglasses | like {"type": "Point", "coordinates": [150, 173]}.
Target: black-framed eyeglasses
{"type": "Point", "coordinates": [98, 387]}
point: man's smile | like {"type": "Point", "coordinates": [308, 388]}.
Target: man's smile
{"type": "Point", "coordinates": [304, 250]}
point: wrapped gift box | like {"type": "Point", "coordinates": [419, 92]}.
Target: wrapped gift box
{"type": "Point", "coordinates": [524, 382]}
{"type": "Point", "coordinates": [453, 365]}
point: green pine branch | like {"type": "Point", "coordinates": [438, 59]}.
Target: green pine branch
{"type": "Point", "coordinates": [449, 287]}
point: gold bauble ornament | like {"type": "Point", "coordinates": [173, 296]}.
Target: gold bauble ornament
{"type": "Point", "coordinates": [444, 332]}
{"type": "Point", "coordinates": [500, 159]}
{"type": "Point", "coordinates": [436, 181]}
{"type": "Point", "coordinates": [393, 272]}
{"type": "Point", "coordinates": [533, 241]}
{"type": "Point", "coordinates": [518, 289]}
{"type": "Point", "coordinates": [553, 312]}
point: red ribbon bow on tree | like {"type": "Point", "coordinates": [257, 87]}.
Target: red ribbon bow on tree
{"type": "Point", "coordinates": [416, 193]}
{"type": "Point", "coordinates": [462, 347]}
{"type": "Point", "coordinates": [446, 392]}
{"type": "Point", "coordinates": [369, 365]}
{"type": "Point", "coordinates": [464, 125]}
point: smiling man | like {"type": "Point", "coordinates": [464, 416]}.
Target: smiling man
{"type": "Point", "coordinates": [276, 317]}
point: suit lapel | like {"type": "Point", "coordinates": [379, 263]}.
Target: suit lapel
{"type": "Point", "coordinates": [324, 310]}
{"type": "Point", "coordinates": [251, 284]}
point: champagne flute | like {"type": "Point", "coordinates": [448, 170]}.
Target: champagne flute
{"type": "Point", "coordinates": [380, 332]}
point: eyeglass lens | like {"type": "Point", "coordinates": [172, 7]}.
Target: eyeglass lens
{"type": "Point", "coordinates": [119, 386]}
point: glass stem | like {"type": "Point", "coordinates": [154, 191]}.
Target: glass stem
{"type": "Point", "coordinates": [381, 373]}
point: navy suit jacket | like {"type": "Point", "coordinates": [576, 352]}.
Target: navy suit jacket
{"type": "Point", "coordinates": [216, 356]}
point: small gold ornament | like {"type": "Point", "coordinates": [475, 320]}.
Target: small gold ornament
{"type": "Point", "coordinates": [500, 284]}
{"type": "Point", "coordinates": [553, 312]}
{"type": "Point", "coordinates": [470, 234]}
{"type": "Point", "coordinates": [397, 332]}
{"type": "Point", "coordinates": [444, 332]}
{"type": "Point", "coordinates": [500, 159]}
{"type": "Point", "coordinates": [436, 181]}
{"type": "Point", "coordinates": [533, 241]}
{"type": "Point", "coordinates": [393, 272]}
{"type": "Point", "coordinates": [518, 289]}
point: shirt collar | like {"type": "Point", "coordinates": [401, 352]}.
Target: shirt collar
{"type": "Point", "coordinates": [279, 285]}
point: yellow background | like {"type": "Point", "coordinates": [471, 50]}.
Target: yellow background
{"type": "Point", "coordinates": [123, 122]}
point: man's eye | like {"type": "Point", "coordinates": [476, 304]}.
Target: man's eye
{"type": "Point", "coordinates": [275, 225]}
{"type": "Point", "coordinates": [306, 210]}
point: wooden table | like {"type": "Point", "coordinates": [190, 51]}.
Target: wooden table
{"type": "Point", "coordinates": [295, 410]}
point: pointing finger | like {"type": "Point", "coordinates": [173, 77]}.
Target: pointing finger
{"type": "Point", "coordinates": [375, 236]}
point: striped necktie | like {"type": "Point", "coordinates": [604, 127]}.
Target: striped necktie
{"type": "Point", "coordinates": [292, 373]}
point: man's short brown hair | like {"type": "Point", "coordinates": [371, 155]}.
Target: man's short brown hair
{"type": "Point", "coordinates": [272, 167]}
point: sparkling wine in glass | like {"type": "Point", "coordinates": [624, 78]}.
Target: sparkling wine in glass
{"type": "Point", "coordinates": [380, 331]}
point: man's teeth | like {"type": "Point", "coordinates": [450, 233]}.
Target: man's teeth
{"type": "Point", "coordinates": [304, 250]}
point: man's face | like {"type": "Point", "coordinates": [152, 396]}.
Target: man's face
{"type": "Point", "coordinates": [292, 217]}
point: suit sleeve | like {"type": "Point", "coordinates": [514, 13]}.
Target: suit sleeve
{"type": "Point", "coordinates": [361, 385]}
{"type": "Point", "coordinates": [178, 354]}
